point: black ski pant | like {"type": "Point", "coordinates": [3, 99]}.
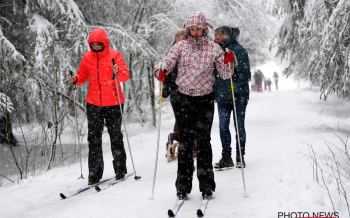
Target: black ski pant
{"type": "Point", "coordinates": [97, 117]}
{"type": "Point", "coordinates": [194, 117]}
{"type": "Point", "coordinates": [175, 134]}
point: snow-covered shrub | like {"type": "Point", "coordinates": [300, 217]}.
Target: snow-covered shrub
{"type": "Point", "coordinates": [331, 170]}
{"type": "Point", "coordinates": [6, 104]}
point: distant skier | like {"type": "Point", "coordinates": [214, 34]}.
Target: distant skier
{"type": "Point", "coordinates": [258, 80]}
{"type": "Point", "coordinates": [197, 56]}
{"type": "Point", "coordinates": [102, 102]}
{"type": "Point", "coordinates": [227, 37]}
{"type": "Point", "coordinates": [275, 78]}
{"type": "Point", "coordinates": [169, 89]}
{"type": "Point", "coordinates": [267, 84]}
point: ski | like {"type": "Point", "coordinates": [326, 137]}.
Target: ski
{"type": "Point", "coordinates": [224, 169]}
{"type": "Point", "coordinates": [203, 206]}
{"type": "Point", "coordinates": [177, 207]}
{"type": "Point", "coordinates": [108, 184]}
{"type": "Point", "coordinates": [83, 189]}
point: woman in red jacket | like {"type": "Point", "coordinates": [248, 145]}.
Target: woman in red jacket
{"type": "Point", "coordinates": [103, 101]}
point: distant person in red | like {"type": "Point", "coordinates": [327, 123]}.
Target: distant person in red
{"type": "Point", "coordinates": [102, 102]}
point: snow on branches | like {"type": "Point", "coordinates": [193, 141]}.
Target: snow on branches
{"type": "Point", "coordinates": [9, 55]}
{"type": "Point", "coordinates": [315, 40]}
{"type": "Point", "coordinates": [6, 104]}
{"type": "Point", "coordinates": [252, 17]}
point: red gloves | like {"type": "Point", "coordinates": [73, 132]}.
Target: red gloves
{"type": "Point", "coordinates": [160, 72]}
{"type": "Point", "coordinates": [72, 79]}
{"type": "Point", "coordinates": [229, 57]}
{"type": "Point", "coordinates": [161, 75]}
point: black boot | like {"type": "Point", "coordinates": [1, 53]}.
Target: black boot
{"type": "Point", "coordinates": [93, 180]}
{"type": "Point", "coordinates": [207, 194]}
{"type": "Point", "coordinates": [225, 162]}
{"type": "Point", "coordinates": [240, 163]}
{"type": "Point", "coordinates": [181, 195]}
{"type": "Point", "coordinates": [119, 176]}
{"type": "Point", "coordinates": [119, 169]}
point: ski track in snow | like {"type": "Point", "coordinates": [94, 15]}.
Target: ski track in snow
{"type": "Point", "coordinates": [279, 177]}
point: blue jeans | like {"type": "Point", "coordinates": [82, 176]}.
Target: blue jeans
{"type": "Point", "coordinates": [225, 109]}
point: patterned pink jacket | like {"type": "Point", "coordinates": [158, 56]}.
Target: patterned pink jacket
{"type": "Point", "coordinates": [196, 63]}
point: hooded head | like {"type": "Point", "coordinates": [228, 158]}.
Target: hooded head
{"type": "Point", "coordinates": [195, 24]}
{"type": "Point", "coordinates": [225, 35]}
{"type": "Point", "coordinates": [99, 36]}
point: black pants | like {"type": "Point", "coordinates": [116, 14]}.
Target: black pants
{"type": "Point", "coordinates": [225, 110]}
{"type": "Point", "coordinates": [194, 117]}
{"type": "Point", "coordinates": [175, 134]}
{"type": "Point", "coordinates": [97, 117]}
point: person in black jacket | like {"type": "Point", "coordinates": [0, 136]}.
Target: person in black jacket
{"type": "Point", "coordinates": [169, 87]}
{"type": "Point", "coordinates": [227, 37]}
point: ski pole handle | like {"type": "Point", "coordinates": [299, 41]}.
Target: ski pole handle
{"type": "Point", "coordinates": [72, 80]}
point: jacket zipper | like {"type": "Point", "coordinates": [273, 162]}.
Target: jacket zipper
{"type": "Point", "coordinates": [116, 85]}
{"type": "Point", "coordinates": [98, 79]}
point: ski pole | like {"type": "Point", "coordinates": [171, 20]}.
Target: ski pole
{"type": "Point", "coordinates": [136, 177]}
{"type": "Point", "coordinates": [158, 140]}
{"type": "Point", "coordinates": [237, 132]}
{"type": "Point", "coordinates": [77, 130]}
{"type": "Point", "coordinates": [239, 139]}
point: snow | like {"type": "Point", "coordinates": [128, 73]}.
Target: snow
{"type": "Point", "coordinates": [280, 126]}
{"type": "Point", "coordinates": [7, 46]}
{"type": "Point", "coordinates": [40, 25]}
{"type": "Point", "coordinates": [46, 33]}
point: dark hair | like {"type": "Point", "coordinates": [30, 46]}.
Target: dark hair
{"type": "Point", "coordinates": [231, 32]}
{"type": "Point", "coordinates": [235, 33]}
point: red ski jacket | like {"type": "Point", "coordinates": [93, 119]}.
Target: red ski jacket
{"type": "Point", "coordinates": [96, 69]}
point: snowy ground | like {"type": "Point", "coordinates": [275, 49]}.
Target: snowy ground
{"type": "Point", "coordinates": [279, 177]}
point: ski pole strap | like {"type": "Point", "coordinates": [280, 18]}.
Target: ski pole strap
{"type": "Point", "coordinates": [161, 99]}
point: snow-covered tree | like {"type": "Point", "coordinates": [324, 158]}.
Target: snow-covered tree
{"type": "Point", "coordinates": [315, 40]}
{"type": "Point", "coordinates": [42, 40]}
{"type": "Point", "coordinates": [6, 104]}
{"type": "Point", "coordinates": [52, 37]}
